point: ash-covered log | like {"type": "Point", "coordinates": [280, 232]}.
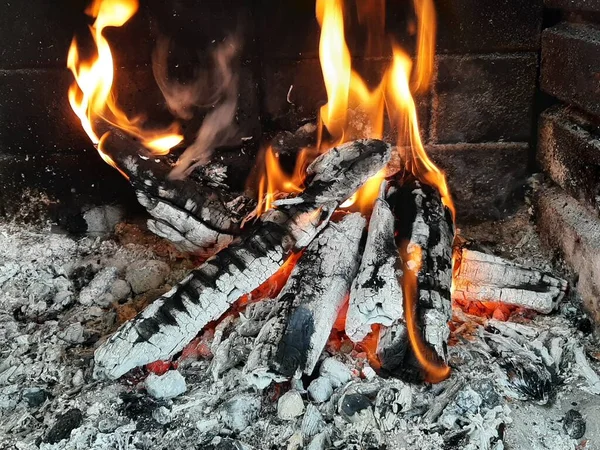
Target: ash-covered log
{"type": "Point", "coordinates": [487, 278]}
{"type": "Point", "coordinates": [197, 218]}
{"type": "Point", "coordinates": [168, 324]}
{"type": "Point", "coordinates": [294, 337]}
{"type": "Point", "coordinates": [424, 237]}
{"type": "Point", "coordinates": [376, 294]}
{"type": "Point", "coordinates": [320, 285]}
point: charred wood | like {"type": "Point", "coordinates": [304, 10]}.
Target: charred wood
{"type": "Point", "coordinates": [424, 236]}
{"type": "Point", "coordinates": [376, 293]}
{"type": "Point", "coordinates": [195, 217]}
{"type": "Point", "coordinates": [319, 285]}
{"type": "Point", "coordinates": [173, 320]}
{"type": "Point", "coordinates": [487, 278]}
{"type": "Point", "coordinates": [295, 335]}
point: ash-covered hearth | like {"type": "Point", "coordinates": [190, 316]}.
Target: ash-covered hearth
{"type": "Point", "coordinates": [330, 274]}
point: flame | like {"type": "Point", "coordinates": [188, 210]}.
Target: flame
{"type": "Point", "coordinates": [275, 180]}
{"type": "Point", "coordinates": [402, 110]}
{"type": "Point", "coordinates": [91, 94]}
{"type": "Point", "coordinates": [425, 12]}
{"type": "Point", "coordinates": [435, 370]}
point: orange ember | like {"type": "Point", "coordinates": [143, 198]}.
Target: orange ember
{"type": "Point", "coordinates": [91, 95]}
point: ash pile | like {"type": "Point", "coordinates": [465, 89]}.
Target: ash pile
{"type": "Point", "coordinates": [524, 383]}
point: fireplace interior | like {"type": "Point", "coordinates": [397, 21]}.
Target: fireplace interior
{"type": "Point", "coordinates": [341, 224]}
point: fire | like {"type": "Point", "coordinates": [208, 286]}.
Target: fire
{"type": "Point", "coordinates": [91, 94]}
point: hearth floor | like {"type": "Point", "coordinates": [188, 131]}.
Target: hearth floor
{"type": "Point", "coordinates": [60, 295]}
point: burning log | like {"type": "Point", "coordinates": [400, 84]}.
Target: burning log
{"type": "Point", "coordinates": [168, 324]}
{"type": "Point", "coordinates": [487, 278]}
{"type": "Point", "coordinates": [376, 294]}
{"type": "Point", "coordinates": [320, 286]}
{"type": "Point", "coordinates": [195, 217]}
{"type": "Point", "coordinates": [424, 236]}
{"type": "Point", "coordinates": [294, 338]}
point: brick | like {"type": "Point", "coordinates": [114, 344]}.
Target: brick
{"type": "Point", "coordinates": [569, 152]}
{"type": "Point", "coordinates": [481, 26]}
{"type": "Point", "coordinates": [567, 227]}
{"type": "Point", "coordinates": [68, 181]}
{"type": "Point", "coordinates": [486, 180]}
{"type": "Point", "coordinates": [570, 67]}
{"type": "Point", "coordinates": [573, 5]}
{"type": "Point", "coordinates": [479, 98]}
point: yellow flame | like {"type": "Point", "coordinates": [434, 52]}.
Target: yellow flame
{"type": "Point", "coordinates": [425, 12]}
{"type": "Point", "coordinates": [403, 111]}
{"type": "Point", "coordinates": [90, 95]}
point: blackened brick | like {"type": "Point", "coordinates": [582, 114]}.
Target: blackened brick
{"type": "Point", "coordinates": [569, 152]}
{"type": "Point", "coordinates": [479, 98]}
{"type": "Point", "coordinates": [566, 226]}
{"type": "Point", "coordinates": [486, 180]}
{"type": "Point", "coordinates": [574, 5]}
{"type": "Point", "coordinates": [570, 68]}
{"type": "Point", "coordinates": [481, 26]}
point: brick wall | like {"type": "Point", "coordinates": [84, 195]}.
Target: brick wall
{"type": "Point", "coordinates": [477, 120]}
{"type": "Point", "coordinates": [569, 141]}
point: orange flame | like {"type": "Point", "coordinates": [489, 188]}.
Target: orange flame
{"type": "Point", "coordinates": [425, 12]}
{"type": "Point", "coordinates": [435, 369]}
{"type": "Point", "coordinates": [275, 180]}
{"type": "Point", "coordinates": [91, 94]}
{"type": "Point", "coordinates": [402, 109]}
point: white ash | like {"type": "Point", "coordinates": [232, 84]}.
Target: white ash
{"type": "Point", "coordinates": [320, 389]}
{"type": "Point", "coordinates": [169, 385]}
{"type": "Point", "coordinates": [45, 371]}
{"type": "Point", "coordinates": [290, 405]}
{"type": "Point", "coordinates": [99, 287]}
{"type": "Point", "coordinates": [101, 220]}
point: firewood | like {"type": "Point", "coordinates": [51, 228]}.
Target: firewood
{"type": "Point", "coordinates": [168, 324]}
{"type": "Point", "coordinates": [376, 294]}
{"type": "Point", "coordinates": [424, 226]}
{"type": "Point", "coordinates": [195, 217]}
{"type": "Point", "coordinates": [320, 284]}
{"type": "Point", "coordinates": [487, 278]}
{"type": "Point", "coordinates": [296, 333]}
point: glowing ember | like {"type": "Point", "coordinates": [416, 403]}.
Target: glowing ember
{"type": "Point", "coordinates": [91, 94]}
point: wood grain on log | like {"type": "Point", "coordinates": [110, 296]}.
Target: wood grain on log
{"type": "Point", "coordinates": [376, 293]}
{"type": "Point", "coordinates": [173, 320]}
{"type": "Point", "coordinates": [487, 278]}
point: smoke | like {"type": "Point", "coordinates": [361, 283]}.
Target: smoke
{"type": "Point", "coordinates": [216, 89]}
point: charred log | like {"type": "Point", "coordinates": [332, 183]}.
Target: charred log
{"type": "Point", "coordinates": [487, 278]}
{"type": "Point", "coordinates": [194, 216]}
{"type": "Point", "coordinates": [424, 236]}
{"type": "Point", "coordinates": [376, 294]}
{"type": "Point", "coordinates": [168, 324]}
{"type": "Point", "coordinates": [319, 285]}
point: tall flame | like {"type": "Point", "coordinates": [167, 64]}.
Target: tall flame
{"type": "Point", "coordinates": [91, 94]}
{"type": "Point", "coordinates": [402, 110]}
